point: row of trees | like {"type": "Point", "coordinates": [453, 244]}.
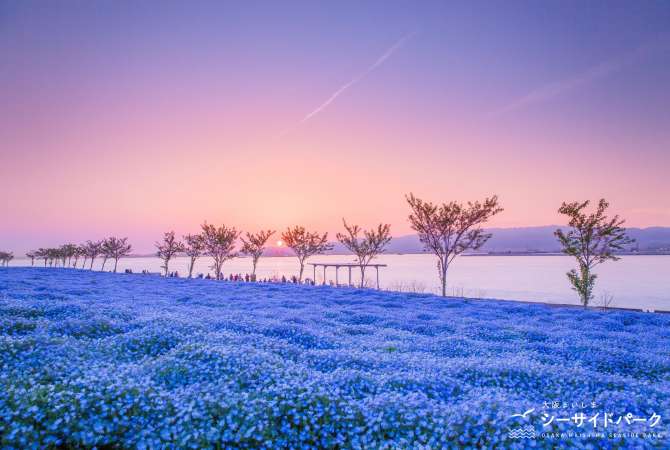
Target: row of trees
{"type": "Point", "coordinates": [68, 255]}
{"type": "Point", "coordinates": [447, 230]}
{"type": "Point", "coordinates": [219, 243]}
{"type": "Point", "coordinates": [450, 229]}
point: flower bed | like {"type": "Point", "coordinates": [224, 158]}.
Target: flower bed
{"type": "Point", "coordinates": [94, 359]}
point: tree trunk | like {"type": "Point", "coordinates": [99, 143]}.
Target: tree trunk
{"type": "Point", "coordinates": [362, 276]}
{"type": "Point", "coordinates": [166, 267]}
{"type": "Point", "coordinates": [217, 269]}
{"type": "Point", "coordinates": [302, 267]}
{"type": "Point", "coordinates": [190, 267]}
{"type": "Point", "coordinates": [443, 276]}
{"type": "Point", "coordinates": [104, 261]}
{"type": "Point", "coordinates": [91, 268]}
{"type": "Point", "coordinates": [253, 269]}
{"type": "Point", "coordinates": [116, 261]}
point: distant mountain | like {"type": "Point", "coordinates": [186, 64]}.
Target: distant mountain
{"type": "Point", "coordinates": [532, 239]}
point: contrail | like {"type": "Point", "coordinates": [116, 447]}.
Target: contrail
{"type": "Point", "coordinates": [551, 90]}
{"type": "Point", "coordinates": [386, 55]}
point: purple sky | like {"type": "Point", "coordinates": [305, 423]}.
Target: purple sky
{"type": "Point", "coordinates": [132, 118]}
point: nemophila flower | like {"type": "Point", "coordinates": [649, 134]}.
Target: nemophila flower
{"type": "Point", "coordinates": [95, 359]}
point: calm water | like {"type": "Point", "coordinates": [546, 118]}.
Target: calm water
{"type": "Point", "coordinates": [634, 281]}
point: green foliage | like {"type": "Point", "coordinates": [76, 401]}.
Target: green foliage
{"type": "Point", "coordinates": [592, 239]}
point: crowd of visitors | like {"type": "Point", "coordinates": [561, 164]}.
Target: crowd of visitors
{"type": "Point", "coordinates": [247, 278]}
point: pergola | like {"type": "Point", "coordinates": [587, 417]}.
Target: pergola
{"type": "Point", "coordinates": [337, 270]}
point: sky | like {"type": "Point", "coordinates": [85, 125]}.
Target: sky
{"type": "Point", "coordinates": [134, 118]}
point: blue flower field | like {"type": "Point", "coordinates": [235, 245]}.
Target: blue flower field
{"type": "Point", "coordinates": [131, 361]}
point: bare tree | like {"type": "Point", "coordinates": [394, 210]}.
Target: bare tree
{"type": "Point", "coordinates": [168, 249]}
{"type": "Point", "coordinates": [305, 244]}
{"type": "Point", "coordinates": [93, 250]}
{"type": "Point", "coordinates": [366, 248]}
{"type": "Point", "coordinates": [219, 244]}
{"type": "Point", "coordinates": [451, 228]}
{"type": "Point", "coordinates": [194, 248]}
{"type": "Point", "coordinates": [69, 251]}
{"type": "Point", "coordinates": [54, 256]}
{"type": "Point", "coordinates": [63, 252]}
{"type": "Point", "coordinates": [5, 257]}
{"type": "Point", "coordinates": [83, 251]}
{"type": "Point", "coordinates": [115, 248]}
{"type": "Point", "coordinates": [42, 253]}
{"type": "Point", "coordinates": [606, 301]}
{"type": "Point", "coordinates": [254, 245]}
{"type": "Point", "coordinates": [105, 256]}
{"type": "Point", "coordinates": [32, 255]}
{"type": "Point", "coordinates": [78, 253]}
{"type": "Point", "coordinates": [592, 240]}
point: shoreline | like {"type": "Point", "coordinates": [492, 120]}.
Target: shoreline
{"type": "Point", "coordinates": [641, 253]}
{"type": "Point", "coordinates": [354, 288]}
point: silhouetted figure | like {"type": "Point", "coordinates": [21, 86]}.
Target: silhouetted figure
{"type": "Point", "coordinates": [283, 279]}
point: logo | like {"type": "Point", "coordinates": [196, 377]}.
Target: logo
{"type": "Point", "coordinates": [527, 432]}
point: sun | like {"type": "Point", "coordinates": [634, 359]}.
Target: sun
{"type": "Point", "coordinates": [279, 243]}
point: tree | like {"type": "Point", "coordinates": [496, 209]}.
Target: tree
{"type": "Point", "coordinates": [32, 255]}
{"type": "Point", "coordinates": [105, 256]}
{"type": "Point", "coordinates": [83, 251]}
{"type": "Point", "coordinates": [54, 256]}
{"type": "Point", "coordinates": [168, 249]}
{"type": "Point", "coordinates": [592, 239]}
{"type": "Point", "coordinates": [451, 228]}
{"type": "Point", "coordinates": [366, 248]}
{"type": "Point", "coordinates": [254, 245]}
{"type": "Point", "coordinates": [219, 243]}
{"type": "Point", "coordinates": [115, 248]}
{"type": "Point", "coordinates": [194, 248]}
{"type": "Point", "coordinates": [93, 250]}
{"type": "Point", "coordinates": [67, 252]}
{"type": "Point", "coordinates": [305, 244]}
{"type": "Point", "coordinates": [5, 257]}
{"type": "Point", "coordinates": [78, 253]}
{"type": "Point", "coordinates": [63, 252]}
{"type": "Point", "coordinates": [42, 253]}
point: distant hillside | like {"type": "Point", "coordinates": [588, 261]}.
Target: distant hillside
{"type": "Point", "coordinates": [533, 239]}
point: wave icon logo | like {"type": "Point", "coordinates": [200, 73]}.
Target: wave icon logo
{"type": "Point", "coordinates": [527, 432]}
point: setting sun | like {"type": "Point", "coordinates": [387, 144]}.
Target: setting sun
{"type": "Point", "coordinates": [279, 243]}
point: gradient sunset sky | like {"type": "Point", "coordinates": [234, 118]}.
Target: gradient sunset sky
{"type": "Point", "coordinates": [133, 118]}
